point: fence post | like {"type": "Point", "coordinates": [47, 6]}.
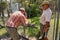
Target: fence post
{"type": "Point", "coordinates": [57, 25]}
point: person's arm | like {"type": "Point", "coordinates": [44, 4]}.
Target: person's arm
{"type": "Point", "coordinates": [25, 14]}
{"type": "Point", "coordinates": [47, 24]}
{"type": "Point", "coordinates": [24, 21]}
{"type": "Point", "coordinates": [47, 19]}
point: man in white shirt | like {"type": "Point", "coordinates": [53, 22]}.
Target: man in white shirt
{"type": "Point", "coordinates": [45, 19]}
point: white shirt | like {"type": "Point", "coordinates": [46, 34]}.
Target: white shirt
{"type": "Point", "coordinates": [46, 16]}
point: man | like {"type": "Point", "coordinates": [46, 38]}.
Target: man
{"type": "Point", "coordinates": [21, 9]}
{"type": "Point", "coordinates": [45, 19]}
{"type": "Point", "coordinates": [16, 19]}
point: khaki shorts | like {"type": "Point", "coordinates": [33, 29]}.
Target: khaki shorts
{"type": "Point", "coordinates": [13, 33]}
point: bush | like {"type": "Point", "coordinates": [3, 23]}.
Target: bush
{"type": "Point", "coordinates": [31, 31]}
{"type": "Point", "coordinates": [33, 10]}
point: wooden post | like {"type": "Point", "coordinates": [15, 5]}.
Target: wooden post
{"type": "Point", "coordinates": [57, 25]}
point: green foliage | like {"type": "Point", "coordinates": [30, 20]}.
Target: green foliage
{"type": "Point", "coordinates": [33, 31]}
{"type": "Point", "coordinates": [32, 7]}
{"type": "Point", "coordinates": [2, 31]}
{"type": "Point", "coordinates": [3, 6]}
{"type": "Point", "coordinates": [33, 10]}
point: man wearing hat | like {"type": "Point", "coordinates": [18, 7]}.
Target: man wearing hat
{"type": "Point", "coordinates": [23, 12]}
{"type": "Point", "coordinates": [16, 19]}
{"type": "Point", "coordinates": [45, 19]}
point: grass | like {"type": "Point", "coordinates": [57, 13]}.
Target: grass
{"type": "Point", "coordinates": [2, 31]}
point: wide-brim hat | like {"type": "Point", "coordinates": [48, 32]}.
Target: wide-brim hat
{"type": "Point", "coordinates": [22, 9]}
{"type": "Point", "coordinates": [45, 2]}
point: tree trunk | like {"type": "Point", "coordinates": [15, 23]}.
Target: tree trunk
{"type": "Point", "coordinates": [3, 17]}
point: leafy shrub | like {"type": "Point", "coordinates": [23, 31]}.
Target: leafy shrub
{"type": "Point", "coordinates": [33, 10]}
{"type": "Point", "coordinates": [31, 31]}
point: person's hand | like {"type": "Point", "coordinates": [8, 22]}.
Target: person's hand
{"type": "Point", "coordinates": [45, 28]}
{"type": "Point", "coordinates": [26, 25]}
{"type": "Point", "coordinates": [32, 25]}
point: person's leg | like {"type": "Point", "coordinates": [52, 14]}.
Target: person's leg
{"type": "Point", "coordinates": [43, 35]}
{"type": "Point", "coordinates": [47, 32]}
{"type": "Point", "coordinates": [40, 33]}
{"type": "Point", "coordinates": [41, 29]}
{"type": "Point", "coordinates": [13, 33]}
